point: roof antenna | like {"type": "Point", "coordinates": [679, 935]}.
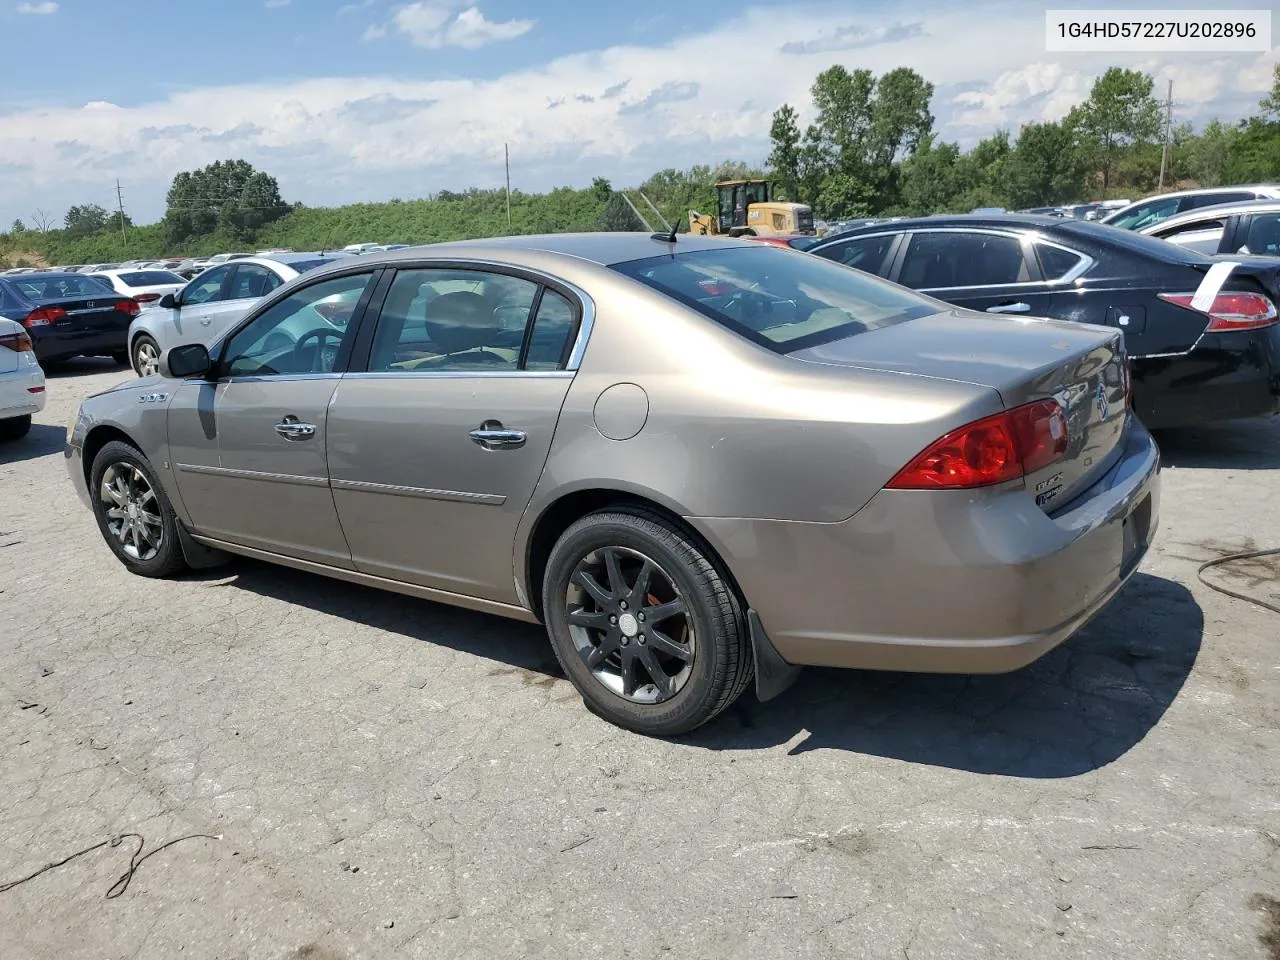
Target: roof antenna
{"type": "Point", "coordinates": [667, 237]}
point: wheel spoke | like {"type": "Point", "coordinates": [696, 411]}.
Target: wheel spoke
{"type": "Point", "coordinates": [628, 672]}
{"type": "Point", "coordinates": [617, 586]}
{"type": "Point", "coordinates": [146, 496]}
{"type": "Point", "coordinates": [653, 668]}
{"type": "Point", "coordinates": [115, 513]}
{"type": "Point", "coordinates": [591, 620]}
{"type": "Point", "coordinates": [114, 493]}
{"type": "Point", "coordinates": [589, 583]}
{"type": "Point", "coordinates": [664, 611]}
{"type": "Point", "coordinates": [664, 644]}
{"type": "Point", "coordinates": [641, 588]}
{"type": "Point", "coordinates": [147, 535]}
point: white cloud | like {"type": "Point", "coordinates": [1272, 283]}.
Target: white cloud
{"type": "Point", "coordinates": [375, 31]}
{"type": "Point", "coordinates": [275, 4]}
{"type": "Point", "coordinates": [620, 112]}
{"type": "Point", "coordinates": [433, 24]}
{"type": "Point", "coordinates": [47, 7]}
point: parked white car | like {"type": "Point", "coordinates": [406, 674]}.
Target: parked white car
{"type": "Point", "coordinates": [211, 303]}
{"type": "Point", "coordinates": [21, 381]}
{"type": "Point", "coordinates": [145, 285]}
{"type": "Point", "coordinates": [1149, 212]}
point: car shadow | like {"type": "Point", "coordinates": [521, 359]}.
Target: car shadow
{"type": "Point", "coordinates": [1076, 709]}
{"type": "Point", "coordinates": [85, 367]}
{"type": "Point", "coordinates": [1081, 706]}
{"type": "Point", "coordinates": [1239, 444]}
{"type": "Point", "coordinates": [43, 439]}
{"type": "Point", "coordinates": [520, 645]}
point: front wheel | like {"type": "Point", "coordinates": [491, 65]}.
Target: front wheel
{"type": "Point", "coordinates": [644, 624]}
{"type": "Point", "coordinates": [133, 513]}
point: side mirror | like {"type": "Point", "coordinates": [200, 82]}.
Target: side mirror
{"type": "Point", "coordinates": [168, 301]}
{"type": "Point", "coordinates": [188, 360]}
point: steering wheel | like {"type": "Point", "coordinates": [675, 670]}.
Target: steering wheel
{"type": "Point", "coordinates": [326, 353]}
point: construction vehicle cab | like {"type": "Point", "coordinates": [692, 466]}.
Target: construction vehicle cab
{"type": "Point", "coordinates": [747, 208]}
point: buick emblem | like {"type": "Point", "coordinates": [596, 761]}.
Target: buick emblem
{"type": "Point", "coordinates": [1100, 396]}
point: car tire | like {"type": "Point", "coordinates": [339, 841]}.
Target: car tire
{"type": "Point", "coordinates": [703, 651]}
{"type": "Point", "coordinates": [144, 348]}
{"type": "Point", "coordinates": [15, 428]}
{"type": "Point", "coordinates": [119, 478]}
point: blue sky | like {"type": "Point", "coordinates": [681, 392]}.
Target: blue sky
{"type": "Point", "coordinates": [350, 100]}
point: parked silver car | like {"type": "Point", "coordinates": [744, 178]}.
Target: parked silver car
{"type": "Point", "coordinates": [208, 305]}
{"type": "Point", "coordinates": [1249, 228]}
{"type": "Point", "coordinates": [695, 461]}
{"type": "Point", "coordinates": [1145, 213]}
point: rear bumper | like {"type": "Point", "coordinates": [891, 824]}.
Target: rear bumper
{"type": "Point", "coordinates": [945, 582]}
{"type": "Point", "coordinates": [53, 344]}
{"type": "Point", "coordinates": [1226, 377]}
{"type": "Point", "coordinates": [16, 397]}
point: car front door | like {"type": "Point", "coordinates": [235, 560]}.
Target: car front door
{"type": "Point", "coordinates": [991, 270]}
{"type": "Point", "coordinates": [248, 283]}
{"type": "Point", "coordinates": [189, 320]}
{"type": "Point", "coordinates": [247, 442]}
{"type": "Point", "coordinates": [436, 447]}
{"type": "Point", "coordinates": [873, 252]}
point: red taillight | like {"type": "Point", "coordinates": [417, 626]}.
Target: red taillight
{"type": "Point", "coordinates": [17, 342]}
{"type": "Point", "coordinates": [1230, 311]}
{"type": "Point", "coordinates": [130, 307]}
{"type": "Point", "coordinates": [992, 450]}
{"type": "Point", "coordinates": [147, 297]}
{"type": "Point", "coordinates": [43, 317]}
{"type": "Point", "coordinates": [35, 389]}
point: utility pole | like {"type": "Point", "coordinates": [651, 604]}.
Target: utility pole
{"type": "Point", "coordinates": [1168, 135]}
{"type": "Point", "coordinates": [506, 153]}
{"type": "Point", "coordinates": [120, 205]}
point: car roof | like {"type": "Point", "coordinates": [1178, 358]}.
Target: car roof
{"type": "Point", "coordinates": [1214, 211]}
{"type": "Point", "coordinates": [1024, 220]}
{"type": "Point", "coordinates": [293, 257]}
{"type": "Point", "coordinates": [603, 249]}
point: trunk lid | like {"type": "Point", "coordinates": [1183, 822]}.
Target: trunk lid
{"type": "Point", "coordinates": [88, 314]}
{"type": "Point", "coordinates": [1023, 359]}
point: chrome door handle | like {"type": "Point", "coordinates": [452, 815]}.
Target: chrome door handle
{"type": "Point", "coordinates": [291, 428]}
{"type": "Point", "coordinates": [1010, 308]}
{"type": "Point", "coordinates": [492, 435]}
{"type": "Point", "coordinates": [207, 321]}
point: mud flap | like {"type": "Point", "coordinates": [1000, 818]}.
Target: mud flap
{"type": "Point", "coordinates": [773, 674]}
{"type": "Point", "coordinates": [197, 555]}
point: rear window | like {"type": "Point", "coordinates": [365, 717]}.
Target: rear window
{"type": "Point", "coordinates": [777, 299]}
{"type": "Point", "coordinates": [59, 286]}
{"type": "Point", "coordinates": [1138, 243]}
{"type": "Point", "coordinates": [150, 278]}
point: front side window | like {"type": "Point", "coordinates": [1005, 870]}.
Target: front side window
{"type": "Point", "coordinates": [954, 259]}
{"type": "Point", "coordinates": [777, 299]}
{"type": "Point", "coordinates": [303, 333]}
{"type": "Point", "coordinates": [447, 319]}
{"type": "Point", "coordinates": [206, 288]}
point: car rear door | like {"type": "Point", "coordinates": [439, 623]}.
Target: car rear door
{"type": "Point", "coordinates": [437, 441]}
{"type": "Point", "coordinates": [986, 269]}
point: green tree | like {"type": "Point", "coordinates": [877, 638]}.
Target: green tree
{"type": "Point", "coordinates": [85, 220]}
{"type": "Point", "coordinates": [784, 160]}
{"type": "Point", "coordinates": [617, 216]}
{"type": "Point", "coordinates": [18, 227]}
{"type": "Point", "coordinates": [602, 189]}
{"type": "Point", "coordinates": [229, 195]}
{"type": "Point", "coordinates": [928, 182]}
{"type": "Point", "coordinates": [1120, 112]}
{"type": "Point", "coordinates": [1046, 167]}
{"type": "Point", "coordinates": [1270, 104]}
{"type": "Point", "coordinates": [900, 117]}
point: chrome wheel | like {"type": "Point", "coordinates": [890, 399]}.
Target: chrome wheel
{"type": "Point", "coordinates": [131, 509]}
{"type": "Point", "coordinates": [146, 358]}
{"type": "Point", "coordinates": [630, 625]}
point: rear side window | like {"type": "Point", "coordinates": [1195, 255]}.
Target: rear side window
{"type": "Point", "coordinates": [1213, 199]}
{"type": "Point", "coordinates": [777, 299]}
{"type": "Point", "coordinates": [1145, 214]}
{"type": "Point", "coordinates": [150, 278]}
{"type": "Point", "coordinates": [946, 259]}
{"type": "Point", "coordinates": [1264, 234]}
{"type": "Point", "coordinates": [1055, 261]}
{"type": "Point", "coordinates": [865, 253]}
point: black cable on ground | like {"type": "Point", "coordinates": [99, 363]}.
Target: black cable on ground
{"type": "Point", "coordinates": [1232, 558]}
{"type": "Point", "coordinates": [135, 861]}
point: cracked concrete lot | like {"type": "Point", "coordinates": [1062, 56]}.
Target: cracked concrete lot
{"type": "Point", "coordinates": [389, 778]}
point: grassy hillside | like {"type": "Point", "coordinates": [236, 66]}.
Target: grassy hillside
{"type": "Point", "coordinates": [451, 216]}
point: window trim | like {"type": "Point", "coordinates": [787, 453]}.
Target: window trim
{"type": "Point", "coordinates": [1082, 266]}
{"type": "Point", "coordinates": [1028, 240]}
{"type": "Point", "coordinates": [222, 287]}
{"type": "Point", "coordinates": [579, 300]}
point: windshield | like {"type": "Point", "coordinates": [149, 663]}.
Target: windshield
{"type": "Point", "coordinates": [777, 298]}
{"type": "Point", "coordinates": [62, 285]}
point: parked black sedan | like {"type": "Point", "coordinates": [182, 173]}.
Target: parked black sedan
{"type": "Point", "coordinates": [1203, 339]}
{"type": "Point", "coordinates": [69, 315]}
